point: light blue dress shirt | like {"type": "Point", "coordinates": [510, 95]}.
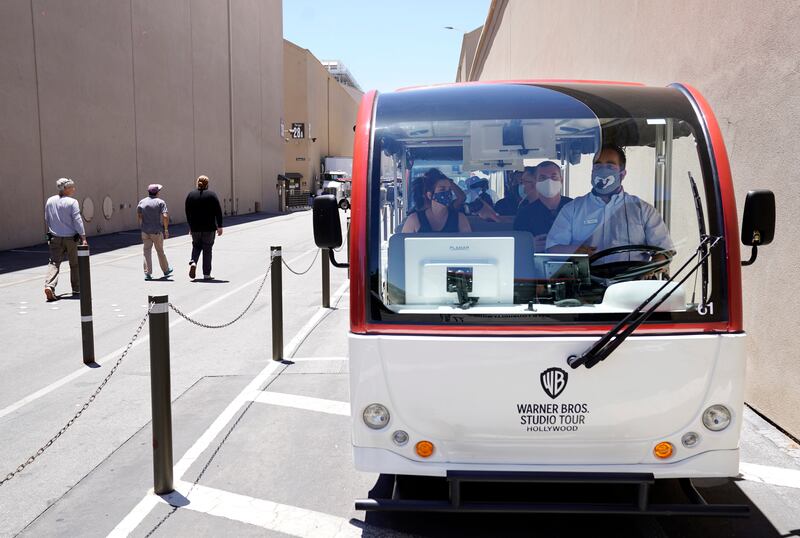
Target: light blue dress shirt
{"type": "Point", "coordinates": [63, 216]}
{"type": "Point", "coordinates": [625, 220]}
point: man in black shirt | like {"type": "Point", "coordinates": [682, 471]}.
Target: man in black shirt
{"type": "Point", "coordinates": [507, 205]}
{"type": "Point", "coordinates": [204, 215]}
{"type": "Point", "coordinates": [538, 216]}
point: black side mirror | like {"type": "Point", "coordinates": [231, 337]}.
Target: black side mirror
{"type": "Point", "coordinates": [327, 227]}
{"type": "Point", "coordinates": [758, 222]}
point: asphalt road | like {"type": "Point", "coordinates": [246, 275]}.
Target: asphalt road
{"type": "Point", "coordinates": [261, 448]}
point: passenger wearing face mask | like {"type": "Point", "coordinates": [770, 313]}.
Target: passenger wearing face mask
{"type": "Point", "coordinates": [440, 216]}
{"type": "Point", "coordinates": [608, 216]}
{"type": "Point", "coordinates": [538, 216]}
{"type": "Point", "coordinates": [527, 187]}
{"type": "Point", "coordinates": [507, 206]}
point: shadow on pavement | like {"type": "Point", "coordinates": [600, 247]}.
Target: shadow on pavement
{"type": "Point", "coordinates": [22, 258]}
{"type": "Point", "coordinates": [487, 524]}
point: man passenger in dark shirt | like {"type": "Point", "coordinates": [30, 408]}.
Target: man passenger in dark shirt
{"type": "Point", "coordinates": [538, 216]}
{"type": "Point", "coordinates": [507, 206]}
{"type": "Point", "coordinates": [204, 215]}
{"type": "Point", "coordinates": [527, 187]}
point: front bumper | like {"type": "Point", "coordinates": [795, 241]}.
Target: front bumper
{"type": "Point", "coordinates": [714, 463]}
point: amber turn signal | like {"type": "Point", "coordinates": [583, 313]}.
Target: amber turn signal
{"type": "Point", "coordinates": [424, 449]}
{"type": "Point", "coordinates": [663, 450]}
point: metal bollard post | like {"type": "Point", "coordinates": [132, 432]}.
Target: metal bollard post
{"type": "Point", "coordinates": [326, 278]}
{"type": "Point", "coordinates": [277, 303]}
{"type": "Point", "coordinates": [85, 282]}
{"type": "Point", "coordinates": [160, 394]}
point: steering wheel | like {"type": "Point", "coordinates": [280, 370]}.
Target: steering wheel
{"type": "Point", "coordinates": [621, 271]}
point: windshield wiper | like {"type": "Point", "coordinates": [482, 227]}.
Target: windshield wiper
{"type": "Point", "coordinates": [606, 345]}
{"type": "Point", "coordinates": [703, 248]}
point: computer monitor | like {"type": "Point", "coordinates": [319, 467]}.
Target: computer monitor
{"type": "Point", "coordinates": [443, 270]}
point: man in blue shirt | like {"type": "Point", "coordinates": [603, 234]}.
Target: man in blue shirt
{"type": "Point", "coordinates": [608, 216]}
{"type": "Point", "coordinates": [62, 213]}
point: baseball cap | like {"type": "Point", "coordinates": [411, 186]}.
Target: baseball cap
{"type": "Point", "coordinates": [153, 188]}
{"type": "Point", "coordinates": [477, 182]}
{"type": "Point", "coordinates": [63, 183]}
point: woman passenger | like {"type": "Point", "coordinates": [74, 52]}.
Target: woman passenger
{"type": "Point", "coordinates": [439, 217]}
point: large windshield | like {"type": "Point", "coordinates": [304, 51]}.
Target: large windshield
{"type": "Point", "coordinates": [545, 207]}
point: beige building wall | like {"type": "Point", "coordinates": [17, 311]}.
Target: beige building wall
{"type": "Point", "coordinates": [468, 45]}
{"type": "Point", "coordinates": [744, 61]}
{"type": "Point", "coordinates": [117, 94]}
{"type": "Point", "coordinates": [326, 108]}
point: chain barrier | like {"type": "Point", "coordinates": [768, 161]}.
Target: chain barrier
{"type": "Point", "coordinates": [234, 320]}
{"type": "Point", "coordinates": [47, 445]}
{"type": "Point", "coordinates": [307, 269]}
{"type": "Point", "coordinates": [178, 311]}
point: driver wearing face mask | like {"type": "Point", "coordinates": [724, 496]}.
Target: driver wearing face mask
{"type": "Point", "coordinates": [538, 216]}
{"type": "Point", "coordinates": [608, 216]}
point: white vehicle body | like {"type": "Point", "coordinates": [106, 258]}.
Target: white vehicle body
{"type": "Point", "coordinates": [481, 403]}
{"type": "Point", "coordinates": [344, 164]}
{"type": "Point", "coordinates": [340, 189]}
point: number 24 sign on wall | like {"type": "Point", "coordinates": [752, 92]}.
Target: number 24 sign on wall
{"type": "Point", "coordinates": [298, 130]}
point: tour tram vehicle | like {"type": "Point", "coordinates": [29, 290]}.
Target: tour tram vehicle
{"type": "Point", "coordinates": [607, 349]}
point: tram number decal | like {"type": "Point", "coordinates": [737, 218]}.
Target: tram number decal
{"type": "Point", "coordinates": [706, 309]}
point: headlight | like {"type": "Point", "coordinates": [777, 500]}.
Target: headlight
{"type": "Point", "coordinates": [376, 416]}
{"type": "Point", "coordinates": [716, 418]}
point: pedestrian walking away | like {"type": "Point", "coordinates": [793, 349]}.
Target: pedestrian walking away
{"type": "Point", "coordinates": [154, 223]}
{"type": "Point", "coordinates": [204, 215]}
{"type": "Point", "coordinates": [62, 213]}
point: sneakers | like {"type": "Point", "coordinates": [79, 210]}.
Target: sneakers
{"type": "Point", "coordinates": [192, 270]}
{"type": "Point", "coordinates": [208, 277]}
{"type": "Point", "coordinates": [148, 276]}
{"type": "Point", "coordinates": [168, 272]}
{"type": "Point", "coordinates": [50, 294]}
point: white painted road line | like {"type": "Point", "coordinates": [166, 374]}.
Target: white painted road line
{"type": "Point", "coordinates": [135, 516]}
{"type": "Point", "coordinates": [766, 474]}
{"type": "Point", "coordinates": [219, 424]}
{"type": "Point", "coordinates": [49, 388]}
{"type": "Point", "coordinates": [140, 511]}
{"type": "Point", "coordinates": [115, 354]}
{"type": "Point", "coordinates": [268, 515]}
{"type": "Point", "coordinates": [320, 405]}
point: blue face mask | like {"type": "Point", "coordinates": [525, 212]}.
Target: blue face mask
{"type": "Point", "coordinates": [521, 190]}
{"type": "Point", "coordinates": [605, 179]}
{"type": "Point", "coordinates": [443, 197]}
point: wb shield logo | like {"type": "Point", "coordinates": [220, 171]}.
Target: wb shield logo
{"type": "Point", "coordinates": [554, 381]}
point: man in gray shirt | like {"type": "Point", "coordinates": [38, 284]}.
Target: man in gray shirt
{"type": "Point", "coordinates": [64, 229]}
{"type": "Point", "coordinates": [154, 222]}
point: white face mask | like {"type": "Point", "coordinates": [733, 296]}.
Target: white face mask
{"type": "Point", "coordinates": [548, 188]}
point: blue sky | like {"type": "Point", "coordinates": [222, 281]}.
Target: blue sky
{"type": "Point", "coordinates": [385, 45]}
